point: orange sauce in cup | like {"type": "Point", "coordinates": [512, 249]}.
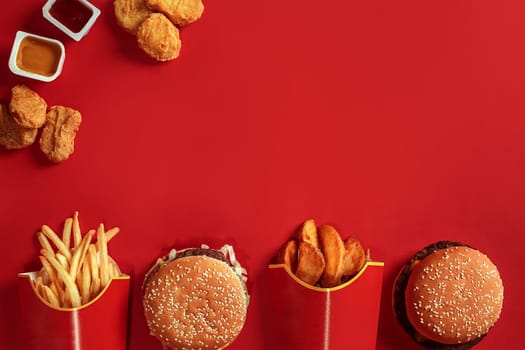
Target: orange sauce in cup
{"type": "Point", "coordinates": [38, 56]}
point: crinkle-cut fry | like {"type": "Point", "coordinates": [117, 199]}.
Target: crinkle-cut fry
{"type": "Point", "coordinates": [288, 255]}
{"type": "Point", "coordinates": [94, 268]}
{"type": "Point", "coordinates": [103, 255]}
{"type": "Point", "coordinates": [66, 232]}
{"type": "Point", "coordinates": [51, 297]}
{"type": "Point", "coordinates": [49, 233]}
{"type": "Point", "coordinates": [308, 233]}
{"type": "Point", "coordinates": [44, 242]}
{"type": "Point", "coordinates": [77, 234]}
{"type": "Point", "coordinates": [310, 263]}
{"type": "Point", "coordinates": [333, 250]}
{"type": "Point", "coordinates": [72, 293]}
{"type": "Point", "coordinates": [80, 254]}
{"type": "Point", "coordinates": [85, 283]}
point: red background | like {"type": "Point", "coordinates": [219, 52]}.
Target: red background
{"type": "Point", "coordinates": [399, 121]}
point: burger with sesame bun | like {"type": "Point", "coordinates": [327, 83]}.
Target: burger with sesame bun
{"type": "Point", "coordinates": [448, 296]}
{"type": "Point", "coordinates": [196, 298]}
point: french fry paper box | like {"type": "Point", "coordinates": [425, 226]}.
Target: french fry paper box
{"type": "Point", "coordinates": [313, 318]}
{"type": "Point", "coordinates": [100, 324]}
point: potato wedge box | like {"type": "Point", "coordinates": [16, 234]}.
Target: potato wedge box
{"type": "Point", "coordinates": [101, 324]}
{"type": "Point", "coordinates": [313, 318]}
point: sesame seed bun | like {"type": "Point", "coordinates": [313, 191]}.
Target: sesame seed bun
{"type": "Point", "coordinates": [195, 300]}
{"type": "Point", "coordinates": [448, 296]}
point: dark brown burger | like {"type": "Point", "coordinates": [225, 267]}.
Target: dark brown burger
{"type": "Point", "coordinates": [448, 296]}
{"type": "Point", "coordinates": [196, 298]}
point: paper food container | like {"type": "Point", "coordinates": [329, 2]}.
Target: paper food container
{"type": "Point", "coordinates": [100, 324]}
{"type": "Point", "coordinates": [313, 318]}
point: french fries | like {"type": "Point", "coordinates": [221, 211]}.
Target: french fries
{"type": "Point", "coordinates": [75, 268]}
{"type": "Point", "coordinates": [318, 255]}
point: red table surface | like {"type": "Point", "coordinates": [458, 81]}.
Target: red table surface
{"type": "Point", "coordinates": [399, 121]}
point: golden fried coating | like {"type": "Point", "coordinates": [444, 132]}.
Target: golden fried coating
{"type": "Point", "coordinates": [12, 135]}
{"type": "Point", "coordinates": [333, 250]}
{"type": "Point", "coordinates": [288, 255]}
{"type": "Point", "coordinates": [27, 107]}
{"type": "Point", "coordinates": [58, 136]}
{"type": "Point", "coordinates": [159, 38]}
{"type": "Point", "coordinates": [354, 257]}
{"type": "Point", "coordinates": [180, 12]}
{"type": "Point", "coordinates": [130, 14]}
{"type": "Point", "coordinates": [310, 263]}
{"type": "Point", "coordinates": [308, 233]}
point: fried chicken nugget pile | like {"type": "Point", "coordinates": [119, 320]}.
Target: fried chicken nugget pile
{"type": "Point", "coordinates": [156, 23]}
{"type": "Point", "coordinates": [27, 113]}
{"type": "Point", "coordinates": [159, 38]}
{"type": "Point", "coordinates": [12, 134]}
{"type": "Point", "coordinates": [318, 255]}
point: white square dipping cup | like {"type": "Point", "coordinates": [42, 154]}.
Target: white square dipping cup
{"type": "Point", "coordinates": [95, 12]}
{"type": "Point", "coordinates": [17, 60]}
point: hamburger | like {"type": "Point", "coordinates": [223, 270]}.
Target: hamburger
{"type": "Point", "coordinates": [196, 298]}
{"type": "Point", "coordinates": [448, 296]}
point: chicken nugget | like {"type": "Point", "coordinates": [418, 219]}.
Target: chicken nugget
{"type": "Point", "coordinates": [130, 14]}
{"type": "Point", "coordinates": [58, 136]}
{"type": "Point", "coordinates": [159, 38]}
{"type": "Point", "coordinates": [333, 250]}
{"type": "Point", "coordinates": [288, 255]}
{"type": "Point", "coordinates": [308, 233]}
{"type": "Point", "coordinates": [12, 135]}
{"type": "Point", "coordinates": [310, 263]}
{"type": "Point", "coordinates": [354, 258]}
{"type": "Point", "coordinates": [27, 107]}
{"type": "Point", "coordinates": [180, 12]}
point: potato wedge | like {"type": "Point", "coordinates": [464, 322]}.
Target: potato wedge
{"type": "Point", "coordinates": [288, 255]}
{"type": "Point", "coordinates": [308, 233]}
{"type": "Point", "coordinates": [310, 263]}
{"type": "Point", "coordinates": [354, 258]}
{"type": "Point", "coordinates": [333, 250]}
